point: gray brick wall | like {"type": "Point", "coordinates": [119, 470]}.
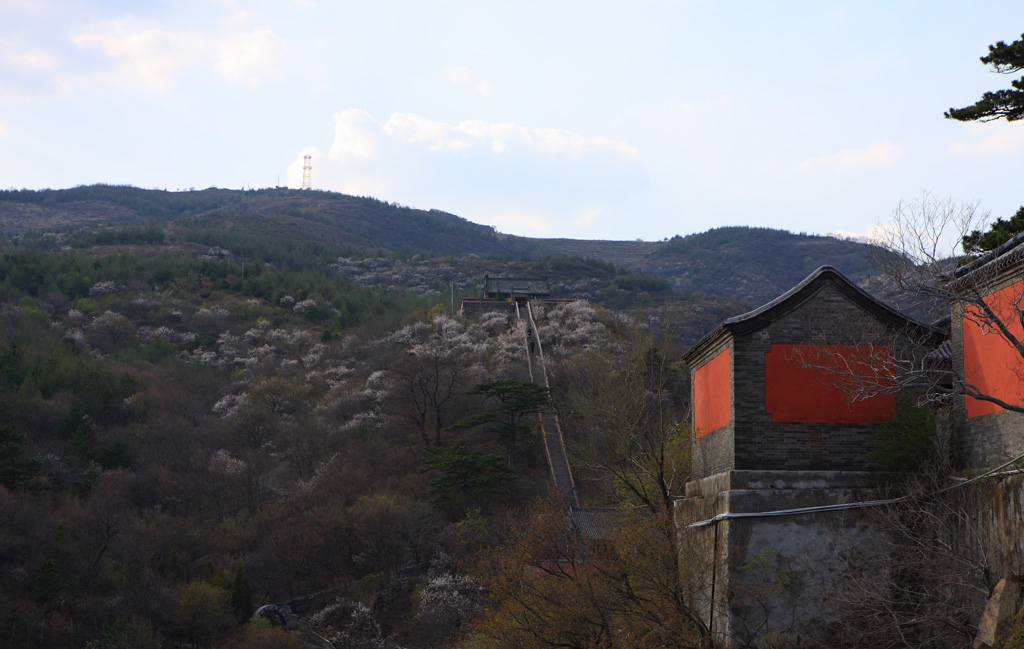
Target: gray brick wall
{"type": "Point", "coordinates": [753, 441]}
{"type": "Point", "coordinates": [826, 318]}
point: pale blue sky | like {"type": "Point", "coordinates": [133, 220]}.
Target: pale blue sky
{"type": "Point", "coordinates": [588, 119]}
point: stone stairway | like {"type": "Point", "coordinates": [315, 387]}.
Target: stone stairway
{"type": "Point", "coordinates": [554, 446]}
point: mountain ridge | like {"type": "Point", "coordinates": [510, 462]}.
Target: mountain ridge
{"type": "Point", "coordinates": [739, 262]}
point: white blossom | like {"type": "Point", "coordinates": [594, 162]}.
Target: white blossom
{"type": "Point", "coordinates": [223, 463]}
{"type": "Point", "coordinates": [230, 404]}
{"type": "Point", "coordinates": [102, 288]}
{"type": "Point", "coordinates": [448, 599]}
{"type": "Point", "coordinates": [376, 380]}
{"type": "Point", "coordinates": [314, 355]}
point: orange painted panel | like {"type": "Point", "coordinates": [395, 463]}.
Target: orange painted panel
{"type": "Point", "coordinates": [990, 361]}
{"type": "Point", "coordinates": [712, 392]}
{"type": "Point", "coordinates": [796, 390]}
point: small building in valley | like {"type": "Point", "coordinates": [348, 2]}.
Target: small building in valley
{"type": "Point", "coordinates": [516, 288]}
{"type": "Point", "coordinates": [506, 292]}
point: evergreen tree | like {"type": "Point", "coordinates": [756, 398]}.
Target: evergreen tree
{"type": "Point", "coordinates": [241, 596]}
{"type": "Point", "coordinates": [998, 233]}
{"type": "Point", "coordinates": [465, 475]}
{"type": "Point", "coordinates": [516, 400]}
{"type": "Point", "coordinates": [14, 469]}
{"type": "Point", "coordinates": [1004, 59]}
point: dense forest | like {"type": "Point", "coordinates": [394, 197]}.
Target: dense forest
{"type": "Point", "coordinates": [189, 431]}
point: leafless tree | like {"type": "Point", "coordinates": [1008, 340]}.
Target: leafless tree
{"type": "Point", "coordinates": [429, 378]}
{"type": "Point", "coordinates": [924, 580]}
{"type": "Point", "coordinates": [925, 271]}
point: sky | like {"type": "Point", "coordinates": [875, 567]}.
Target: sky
{"type": "Point", "coordinates": [560, 118]}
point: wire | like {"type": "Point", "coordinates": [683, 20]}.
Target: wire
{"type": "Point", "coordinates": [843, 506]}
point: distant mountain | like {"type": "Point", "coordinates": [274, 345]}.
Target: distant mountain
{"type": "Point", "coordinates": [755, 264]}
{"type": "Point", "coordinates": [335, 220]}
{"type": "Point", "coordinates": [311, 228]}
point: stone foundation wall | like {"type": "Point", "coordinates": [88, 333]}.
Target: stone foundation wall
{"type": "Point", "coordinates": [771, 575]}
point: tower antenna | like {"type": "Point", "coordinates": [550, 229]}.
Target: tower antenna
{"type": "Point", "coordinates": [307, 172]}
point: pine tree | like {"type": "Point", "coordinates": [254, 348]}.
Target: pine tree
{"type": "Point", "coordinates": [241, 596]}
{"type": "Point", "coordinates": [1004, 59]}
{"type": "Point", "coordinates": [998, 233]}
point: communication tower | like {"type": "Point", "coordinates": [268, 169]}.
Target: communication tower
{"type": "Point", "coordinates": [307, 172]}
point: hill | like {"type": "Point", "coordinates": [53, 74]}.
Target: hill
{"type": "Point", "coordinates": [310, 229]}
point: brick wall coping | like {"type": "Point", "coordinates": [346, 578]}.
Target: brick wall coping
{"type": "Point", "coordinates": [747, 479]}
{"type": "Point", "coordinates": [1006, 254]}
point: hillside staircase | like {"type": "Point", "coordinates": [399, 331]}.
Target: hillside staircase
{"type": "Point", "coordinates": [551, 432]}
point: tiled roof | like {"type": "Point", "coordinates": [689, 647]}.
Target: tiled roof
{"type": "Point", "coordinates": [516, 286]}
{"type": "Point", "coordinates": [770, 311]}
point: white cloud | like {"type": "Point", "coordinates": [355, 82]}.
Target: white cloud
{"type": "Point", "coordinates": [293, 177]}
{"type": "Point", "coordinates": [873, 234]}
{"type": "Point", "coordinates": [874, 155]}
{"type": "Point", "coordinates": [458, 75]}
{"type": "Point", "coordinates": [683, 108]}
{"type": "Point", "coordinates": [587, 216]}
{"type": "Point", "coordinates": [254, 57]}
{"type": "Point", "coordinates": [325, 174]}
{"type": "Point", "coordinates": [466, 167]}
{"type": "Point", "coordinates": [498, 137]}
{"type": "Point", "coordinates": [521, 223]}
{"type": "Point", "coordinates": [236, 19]}
{"type": "Point", "coordinates": [367, 185]}
{"type": "Point", "coordinates": [463, 76]}
{"type": "Point", "coordinates": [154, 58]}
{"type": "Point", "coordinates": [992, 139]}
{"type": "Point", "coordinates": [4, 132]}
{"type": "Point", "coordinates": [22, 6]}
{"type": "Point", "coordinates": [355, 136]}
{"type": "Point", "coordinates": [34, 60]}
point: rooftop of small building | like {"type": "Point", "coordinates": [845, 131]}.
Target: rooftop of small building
{"type": "Point", "coordinates": [771, 311]}
{"type": "Point", "coordinates": [1005, 256]}
{"type": "Point", "coordinates": [510, 285]}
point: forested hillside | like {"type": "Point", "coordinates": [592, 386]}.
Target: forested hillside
{"type": "Point", "coordinates": [307, 229]}
{"type": "Point", "coordinates": [186, 433]}
{"type": "Point", "coordinates": [215, 400]}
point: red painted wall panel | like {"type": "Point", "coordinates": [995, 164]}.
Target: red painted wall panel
{"type": "Point", "coordinates": [712, 394]}
{"type": "Point", "coordinates": [990, 361]}
{"type": "Point", "coordinates": [797, 391]}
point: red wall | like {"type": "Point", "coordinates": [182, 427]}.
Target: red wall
{"type": "Point", "coordinates": [990, 362]}
{"type": "Point", "coordinates": [796, 391]}
{"type": "Point", "coordinates": [712, 394]}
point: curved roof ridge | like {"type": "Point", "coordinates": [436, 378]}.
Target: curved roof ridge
{"type": "Point", "coordinates": [822, 271]}
{"type": "Point", "coordinates": [771, 304]}
{"type": "Point", "coordinates": [800, 293]}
